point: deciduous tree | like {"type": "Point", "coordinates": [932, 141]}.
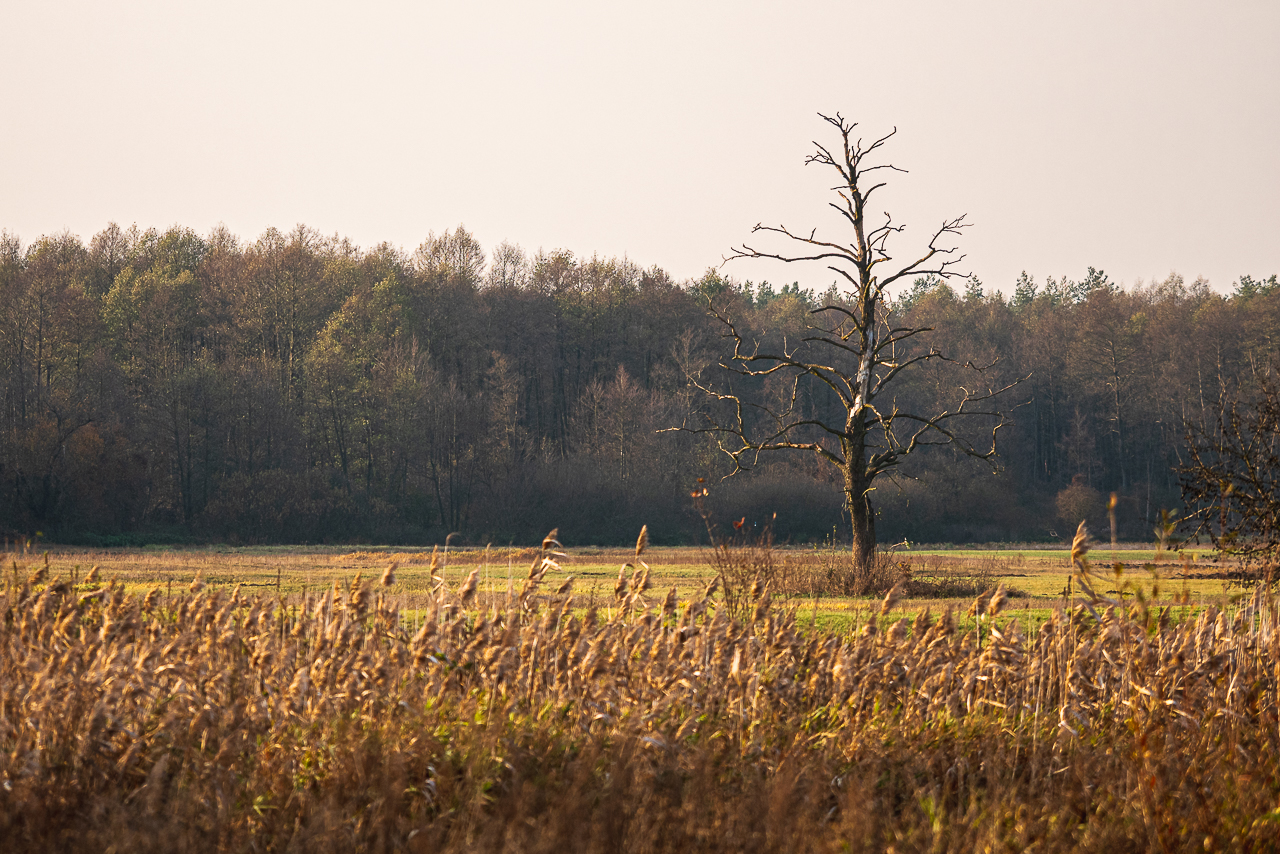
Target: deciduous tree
{"type": "Point", "coordinates": [1231, 477]}
{"type": "Point", "coordinates": [832, 391]}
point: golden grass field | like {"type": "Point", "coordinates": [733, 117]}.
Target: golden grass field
{"type": "Point", "coordinates": [310, 700]}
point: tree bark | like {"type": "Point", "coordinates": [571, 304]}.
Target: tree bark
{"type": "Point", "coordinates": [857, 502]}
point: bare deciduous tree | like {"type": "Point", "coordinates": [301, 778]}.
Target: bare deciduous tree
{"type": "Point", "coordinates": [1231, 479]}
{"type": "Point", "coordinates": [838, 399]}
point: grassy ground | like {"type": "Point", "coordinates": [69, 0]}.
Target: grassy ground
{"type": "Point", "coordinates": [1036, 578]}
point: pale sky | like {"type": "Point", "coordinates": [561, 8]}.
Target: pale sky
{"type": "Point", "coordinates": [1138, 137]}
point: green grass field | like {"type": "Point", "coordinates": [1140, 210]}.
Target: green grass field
{"type": "Point", "coordinates": [1037, 579]}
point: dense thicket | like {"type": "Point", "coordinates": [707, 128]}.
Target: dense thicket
{"type": "Point", "coordinates": [299, 388]}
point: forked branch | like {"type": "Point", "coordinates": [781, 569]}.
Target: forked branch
{"type": "Point", "coordinates": [850, 358]}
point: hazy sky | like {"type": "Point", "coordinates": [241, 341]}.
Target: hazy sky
{"type": "Point", "coordinates": [1138, 137]}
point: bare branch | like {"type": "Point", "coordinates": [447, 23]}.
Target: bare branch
{"type": "Point", "coordinates": [850, 356]}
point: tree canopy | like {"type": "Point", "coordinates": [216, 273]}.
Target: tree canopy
{"type": "Point", "coordinates": [167, 385]}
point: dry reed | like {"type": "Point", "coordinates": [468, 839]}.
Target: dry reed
{"type": "Point", "coordinates": [216, 722]}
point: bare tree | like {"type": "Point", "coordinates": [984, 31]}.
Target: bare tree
{"type": "Point", "coordinates": [838, 397]}
{"type": "Point", "coordinates": [1231, 479]}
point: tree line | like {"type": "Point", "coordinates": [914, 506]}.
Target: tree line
{"type": "Point", "coordinates": [170, 386]}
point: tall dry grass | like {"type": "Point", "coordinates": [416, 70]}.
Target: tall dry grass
{"type": "Point", "coordinates": [216, 721]}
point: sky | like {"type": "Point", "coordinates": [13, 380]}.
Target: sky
{"type": "Point", "coordinates": [1138, 137]}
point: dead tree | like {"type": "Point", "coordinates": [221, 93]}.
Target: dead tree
{"type": "Point", "coordinates": [852, 354]}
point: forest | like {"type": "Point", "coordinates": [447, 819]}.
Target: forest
{"type": "Point", "coordinates": [169, 387]}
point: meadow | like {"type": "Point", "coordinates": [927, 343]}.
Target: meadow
{"type": "Point", "coordinates": [1035, 576]}
{"type": "Point", "coordinates": [364, 699]}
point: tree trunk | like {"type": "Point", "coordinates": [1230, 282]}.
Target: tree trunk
{"type": "Point", "coordinates": [857, 503]}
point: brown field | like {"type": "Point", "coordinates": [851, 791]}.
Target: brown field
{"type": "Point", "coordinates": [273, 710]}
